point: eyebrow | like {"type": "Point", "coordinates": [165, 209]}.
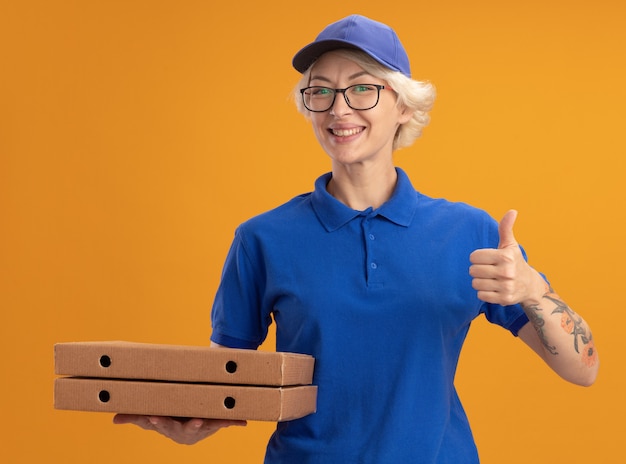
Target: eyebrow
{"type": "Point", "coordinates": [351, 77]}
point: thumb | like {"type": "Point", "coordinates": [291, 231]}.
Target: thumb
{"type": "Point", "coordinates": [505, 229]}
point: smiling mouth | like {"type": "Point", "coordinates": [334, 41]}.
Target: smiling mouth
{"type": "Point", "coordinates": [346, 132]}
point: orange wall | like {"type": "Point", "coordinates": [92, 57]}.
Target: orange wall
{"type": "Point", "coordinates": [133, 141]}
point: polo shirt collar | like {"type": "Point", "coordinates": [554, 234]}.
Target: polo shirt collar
{"type": "Point", "coordinates": [333, 214]}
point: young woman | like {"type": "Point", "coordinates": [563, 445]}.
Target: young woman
{"type": "Point", "coordinates": [371, 277]}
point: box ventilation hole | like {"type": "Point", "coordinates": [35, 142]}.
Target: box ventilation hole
{"type": "Point", "coordinates": [104, 396]}
{"type": "Point", "coordinates": [231, 367]}
{"type": "Point", "coordinates": [229, 402]}
{"type": "Point", "coordinates": [105, 361]}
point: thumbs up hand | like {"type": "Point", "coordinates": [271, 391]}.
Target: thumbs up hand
{"type": "Point", "coordinates": [502, 276]}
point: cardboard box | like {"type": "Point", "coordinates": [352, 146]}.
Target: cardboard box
{"type": "Point", "coordinates": [185, 399]}
{"type": "Point", "coordinates": [128, 360]}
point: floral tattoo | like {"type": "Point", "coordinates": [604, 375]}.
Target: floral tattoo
{"type": "Point", "coordinates": [571, 323]}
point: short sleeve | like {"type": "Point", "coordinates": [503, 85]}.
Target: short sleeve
{"type": "Point", "coordinates": [237, 316]}
{"type": "Point", "coordinates": [512, 318]}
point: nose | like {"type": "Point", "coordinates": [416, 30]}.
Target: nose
{"type": "Point", "coordinates": [340, 105]}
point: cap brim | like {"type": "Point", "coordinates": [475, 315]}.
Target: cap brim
{"type": "Point", "coordinates": [307, 56]}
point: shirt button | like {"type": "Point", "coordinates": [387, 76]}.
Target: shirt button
{"type": "Point", "coordinates": [373, 265]}
{"type": "Point", "coordinates": [372, 237]}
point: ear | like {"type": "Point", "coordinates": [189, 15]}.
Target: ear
{"type": "Point", "coordinates": [405, 115]}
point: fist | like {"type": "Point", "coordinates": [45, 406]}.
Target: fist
{"type": "Point", "coordinates": [502, 275]}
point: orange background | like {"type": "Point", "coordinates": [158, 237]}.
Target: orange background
{"type": "Point", "coordinates": [136, 135]}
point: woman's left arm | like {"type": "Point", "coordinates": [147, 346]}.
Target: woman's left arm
{"type": "Point", "coordinates": [555, 332]}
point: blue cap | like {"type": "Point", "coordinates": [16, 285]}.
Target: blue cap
{"type": "Point", "coordinates": [376, 39]}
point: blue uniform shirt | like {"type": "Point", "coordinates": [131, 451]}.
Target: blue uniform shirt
{"type": "Point", "coordinates": [383, 300]}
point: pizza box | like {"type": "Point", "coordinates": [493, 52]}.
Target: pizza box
{"type": "Point", "coordinates": [177, 399]}
{"type": "Point", "coordinates": [181, 363]}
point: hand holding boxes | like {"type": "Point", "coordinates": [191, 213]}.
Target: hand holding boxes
{"type": "Point", "coordinates": [183, 381]}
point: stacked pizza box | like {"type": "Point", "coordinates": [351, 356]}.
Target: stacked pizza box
{"type": "Point", "coordinates": [183, 381]}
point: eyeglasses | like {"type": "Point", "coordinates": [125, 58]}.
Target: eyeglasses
{"type": "Point", "coordinates": [358, 97]}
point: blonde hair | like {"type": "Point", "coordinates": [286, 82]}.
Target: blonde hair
{"type": "Point", "coordinates": [416, 96]}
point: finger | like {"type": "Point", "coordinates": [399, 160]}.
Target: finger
{"type": "Point", "coordinates": [505, 229]}
{"type": "Point", "coordinates": [192, 426]}
{"type": "Point", "coordinates": [141, 421]}
{"type": "Point", "coordinates": [485, 256]}
{"type": "Point", "coordinates": [210, 426]}
{"type": "Point", "coordinates": [483, 271]}
{"type": "Point", "coordinates": [488, 296]}
{"type": "Point", "coordinates": [168, 426]}
{"type": "Point", "coordinates": [486, 284]}
{"type": "Point", "coordinates": [122, 418]}
{"type": "Point", "coordinates": [229, 423]}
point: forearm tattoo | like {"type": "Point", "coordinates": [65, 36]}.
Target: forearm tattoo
{"type": "Point", "coordinates": [571, 323]}
{"type": "Point", "coordinates": [536, 318]}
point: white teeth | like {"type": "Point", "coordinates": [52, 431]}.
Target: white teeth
{"type": "Point", "coordinates": [346, 132]}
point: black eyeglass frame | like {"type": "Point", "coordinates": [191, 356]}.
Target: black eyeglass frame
{"type": "Point", "coordinates": [379, 87]}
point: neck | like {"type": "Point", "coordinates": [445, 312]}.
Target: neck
{"type": "Point", "coordinates": [360, 189]}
